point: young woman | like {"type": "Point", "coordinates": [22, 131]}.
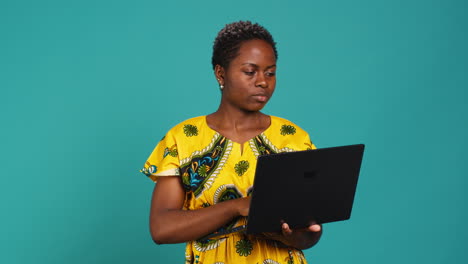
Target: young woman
{"type": "Point", "coordinates": [204, 166]}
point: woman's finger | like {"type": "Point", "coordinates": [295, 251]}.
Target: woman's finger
{"type": "Point", "coordinates": [285, 229]}
{"type": "Point", "coordinates": [315, 228]}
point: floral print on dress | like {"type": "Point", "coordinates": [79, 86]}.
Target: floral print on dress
{"type": "Point", "coordinates": [196, 172]}
{"type": "Point", "coordinates": [190, 130]}
{"type": "Point", "coordinates": [287, 130]}
{"type": "Point", "coordinates": [241, 167]}
{"type": "Point", "coordinates": [244, 247]}
{"type": "Point", "coordinates": [150, 170]}
{"type": "Point", "coordinates": [172, 151]}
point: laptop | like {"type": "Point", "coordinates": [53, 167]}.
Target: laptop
{"type": "Point", "coordinates": [304, 186]}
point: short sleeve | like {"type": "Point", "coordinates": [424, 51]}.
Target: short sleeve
{"type": "Point", "coordinates": [164, 160]}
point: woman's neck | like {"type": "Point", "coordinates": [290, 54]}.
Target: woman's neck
{"type": "Point", "coordinates": [235, 119]}
{"type": "Point", "coordinates": [238, 125]}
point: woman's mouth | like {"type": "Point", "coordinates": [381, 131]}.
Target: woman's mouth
{"type": "Point", "coordinates": [261, 98]}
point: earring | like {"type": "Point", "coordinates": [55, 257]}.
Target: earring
{"type": "Point", "coordinates": [221, 86]}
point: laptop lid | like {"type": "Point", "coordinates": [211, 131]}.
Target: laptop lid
{"type": "Point", "coordinates": [301, 187]}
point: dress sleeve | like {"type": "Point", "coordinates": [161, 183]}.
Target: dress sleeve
{"type": "Point", "coordinates": [164, 160]}
{"type": "Point", "coordinates": [308, 143]}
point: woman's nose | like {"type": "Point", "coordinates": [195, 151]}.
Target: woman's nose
{"type": "Point", "coordinates": [261, 81]}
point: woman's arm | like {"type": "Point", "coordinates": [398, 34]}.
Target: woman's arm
{"type": "Point", "coordinates": [170, 224]}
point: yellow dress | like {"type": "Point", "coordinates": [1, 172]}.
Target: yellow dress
{"type": "Point", "coordinates": [215, 169]}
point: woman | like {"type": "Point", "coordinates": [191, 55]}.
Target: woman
{"type": "Point", "coordinates": [204, 166]}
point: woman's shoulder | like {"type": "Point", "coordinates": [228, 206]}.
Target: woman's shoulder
{"type": "Point", "coordinates": [194, 121]}
{"type": "Point", "coordinates": [190, 127]}
{"type": "Point", "coordinates": [286, 127]}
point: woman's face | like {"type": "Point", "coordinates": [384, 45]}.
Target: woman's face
{"type": "Point", "coordinates": [249, 81]}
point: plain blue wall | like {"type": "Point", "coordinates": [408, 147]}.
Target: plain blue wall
{"type": "Point", "coordinates": [89, 87]}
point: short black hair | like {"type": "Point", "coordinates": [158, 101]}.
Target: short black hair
{"type": "Point", "coordinates": [227, 44]}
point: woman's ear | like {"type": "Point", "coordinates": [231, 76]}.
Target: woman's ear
{"type": "Point", "coordinates": [219, 74]}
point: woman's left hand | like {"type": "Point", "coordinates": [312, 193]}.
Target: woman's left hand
{"type": "Point", "coordinates": [301, 238]}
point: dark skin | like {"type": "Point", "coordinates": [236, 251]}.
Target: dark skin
{"type": "Point", "coordinates": [249, 82]}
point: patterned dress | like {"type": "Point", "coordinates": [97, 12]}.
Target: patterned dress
{"type": "Point", "coordinates": [215, 169]}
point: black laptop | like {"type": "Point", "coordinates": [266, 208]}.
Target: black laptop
{"type": "Point", "coordinates": [304, 186]}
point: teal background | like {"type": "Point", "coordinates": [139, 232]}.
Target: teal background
{"type": "Point", "coordinates": [89, 87]}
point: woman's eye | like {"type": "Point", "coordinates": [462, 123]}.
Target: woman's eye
{"type": "Point", "coordinates": [249, 72]}
{"type": "Point", "coordinates": [271, 73]}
